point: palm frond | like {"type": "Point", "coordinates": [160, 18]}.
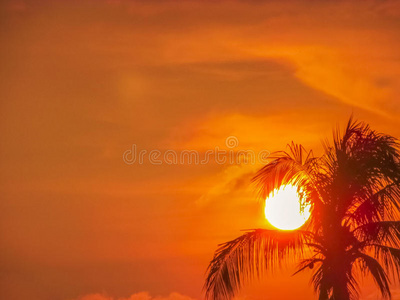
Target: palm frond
{"type": "Point", "coordinates": [361, 163]}
{"type": "Point", "coordinates": [250, 255]}
{"type": "Point", "coordinates": [389, 257]}
{"type": "Point", "coordinates": [320, 283]}
{"type": "Point", "coordinates": [383, 204]}
{"type": "Point", "coordinates": [292, 167]}
{"type": "Point", "coordinates": [384, 232]}
{"type": "Point", "coordinates": [370, 265]}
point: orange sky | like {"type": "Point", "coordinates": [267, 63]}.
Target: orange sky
{"type": "Point", "coordinates": [82, 81]}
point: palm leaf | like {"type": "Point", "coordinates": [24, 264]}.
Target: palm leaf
{"type": "Point", "coordinates": [250, 255]}
{"type": "Point", "coordinates": [370, 265]}
{"type": "Point", "coordinates": [387, 232]}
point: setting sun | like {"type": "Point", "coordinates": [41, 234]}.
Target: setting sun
{"type": "Point", "coordinates": [282, 209]}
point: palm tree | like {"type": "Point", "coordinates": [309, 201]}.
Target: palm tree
{"type": "Point", "coordinates": [354, 193]}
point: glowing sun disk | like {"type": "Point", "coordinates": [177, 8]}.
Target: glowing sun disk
{"type": "Point", "coordinates": [282, 209]}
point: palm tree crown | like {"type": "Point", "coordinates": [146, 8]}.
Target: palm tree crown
{"type": "Point", "coordinates": [354, 193]}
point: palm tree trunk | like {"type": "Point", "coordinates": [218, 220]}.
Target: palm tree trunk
{"type": "Point", "coordinates": [340, 292]}
{"type": "Point", "coordinates": [340, 282]}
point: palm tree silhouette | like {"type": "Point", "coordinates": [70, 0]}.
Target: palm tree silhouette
{"type": "Point", "coordinates": [354, 193]}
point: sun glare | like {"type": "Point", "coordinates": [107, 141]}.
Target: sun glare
{"type": "Point", "coordinates": [282, 209]}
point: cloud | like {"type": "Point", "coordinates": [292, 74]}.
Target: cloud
{"type": "Point", "coordinates": [230, 180]}
{"type": "Point", "coordinates": [136, 296]}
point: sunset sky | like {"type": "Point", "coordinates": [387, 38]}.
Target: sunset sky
{"type": "Point", "coordinates": [83, 81]}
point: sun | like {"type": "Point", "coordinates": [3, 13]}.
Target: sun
{"type": "Point", "coordinates": [282, 209]}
